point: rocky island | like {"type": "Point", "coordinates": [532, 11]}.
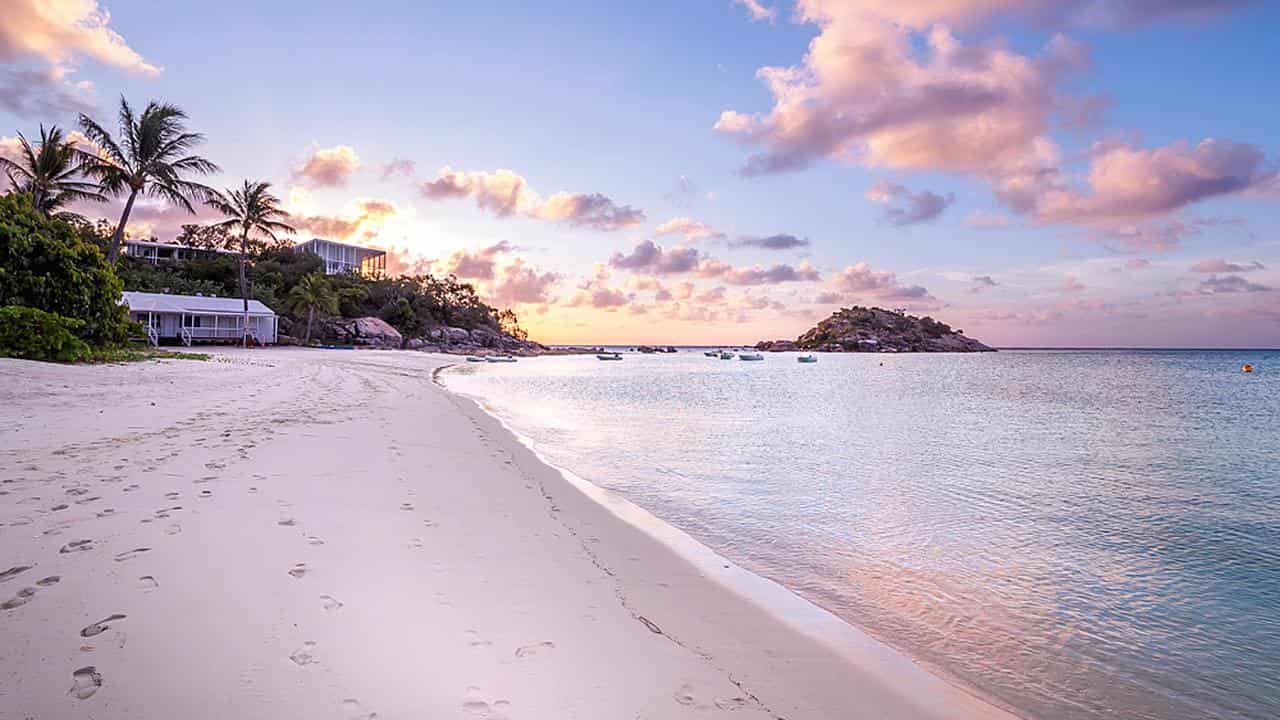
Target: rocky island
{"type": "Point", "coordinates": [863, 329]}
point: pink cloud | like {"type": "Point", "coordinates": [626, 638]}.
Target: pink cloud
{"type": "Point", "coordinates": [1218, 265]}
{"type": "Point", "coordinates": [366, 222]}
{"type": "Point", "coordinates": [889, 85]}
{"type": "Point", "coordinates": [1127, 183]}
{"type": "Point", "coordinates": [505, 193]}
{"type": "Point", "coordinates": [758, 10]}
{"type": "Point", "coordinates": [328, 167]}
{"type": "Point", "coordinates": [1230, 284]}
{"type": "Point", "coordinates": [781, 241]}
{"type": "Point", "coordinates": [398, 166]}
{"type": "Point", "coordinates": [517, 283]}
{"type": "Point", "coordinates": [478, 265]}
{"type": "Point", "coordinates": [648, 257]}
{"type": "Point", "coordinates": [982, 283]}
{"type": "Point", "coordinates": [906, 207]}
{"type": "Point", "coordinates": [772, 275]}
{"type": "Point", "coordinates": [860, 281]}
{"type": "Point", "coordinates": [60, 31]}
{"type": "Point", "coordinates": [688, 228]}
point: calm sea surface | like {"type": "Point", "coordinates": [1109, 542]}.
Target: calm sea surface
{"type": "Point", "coordinates": [1075, 534]}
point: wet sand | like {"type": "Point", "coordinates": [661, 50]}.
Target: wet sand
{"type": "Point", "coordinates": [291, 533]}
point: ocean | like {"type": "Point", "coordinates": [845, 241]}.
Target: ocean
{"type": "Point", "coordinates": [1073, 534]}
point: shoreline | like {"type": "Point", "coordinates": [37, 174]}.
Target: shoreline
{"type": "Point", "coordinates": [855, 645]}
{"type": "Point", "coordinates": [294, 533]}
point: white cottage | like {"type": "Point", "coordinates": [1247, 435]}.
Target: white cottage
{"type": "Point", "coordinates": [199, 318]}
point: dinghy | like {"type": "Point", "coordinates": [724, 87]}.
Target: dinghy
{"type": "Point", "coordinates": [474, 358]}
{"type": "Point", "coordinates": [726, 355]}
{"type": "Point", "coordinates": [750, 356]}
{"type": "Point", "coordinates": [499, 358]}
{"type": "Point", "coordinates": [609, 356]}
{"type": "Point", "coordinates": [807, 359]}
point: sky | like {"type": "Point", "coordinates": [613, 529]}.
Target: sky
{"type": "Point", "coordinates": [1073, 173]}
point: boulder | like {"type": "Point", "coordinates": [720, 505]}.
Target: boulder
{"type": "Point", "coordinates": [415, 344]}
{"type": "Point", "coordinates": [456, 334]}
{"type": "Point", "coordinates": [369, 331]}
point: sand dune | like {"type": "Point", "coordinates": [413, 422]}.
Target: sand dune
{"type": "Point", "coordinates": [330, 535]}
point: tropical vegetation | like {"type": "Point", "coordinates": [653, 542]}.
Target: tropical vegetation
{"type": "Point", "coordinates": [61, 276]}
{"type": "Point", "coordinates": [151, 157]}
{"type": "Point", "coordinates": [50, 173]}
{"type": "Point", "coordinates": [250, 210]}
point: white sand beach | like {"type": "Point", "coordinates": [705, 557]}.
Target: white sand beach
{"type": "Point", "coordinates": [290, 533]}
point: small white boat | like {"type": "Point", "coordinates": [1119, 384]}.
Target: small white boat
{"type": "Point", "coordinates": [712, 353]}
{"type": "Point", "coordinates": [499, 358]}
{"type": "Point", "coordinates": [474, 358]}
{"type": "Point", "coordinates": [609, 356]}
{"type": "Point", "coordinates": [807, 358]}
{"type": "Point", "coordinates": [750, 356]}
{"type": "Point", "coordinates": [726, 355]}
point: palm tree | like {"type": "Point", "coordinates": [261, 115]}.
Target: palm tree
{"type": "Point", "coordinates": [49, 173]}
{"type": "Point", "coordinates": [151, 158]}
{"type": "Point", "coordinates": [251, 210]}
{"type": "Point", "coordinates": [310, 294]}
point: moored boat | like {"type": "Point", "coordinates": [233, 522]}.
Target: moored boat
{"type": "Point", "coordinates": [810, 358]}
{"type": "Point", "coordinates": [750, 356]}
{"type": "Point", "coordinates": [499, 358]}
{"type": "Point", "coordinates": [474, 358]}
{"type": "Point", "coordinates": [712, 353]}
{"type": "Point", "coordinates": [726, 355]}
{"type": "Point", "coordinates": [609, 356]}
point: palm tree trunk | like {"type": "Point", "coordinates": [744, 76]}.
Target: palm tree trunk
{"type": "Point", "coordinates": [311, 315]}
{"type": "Point", "coordinates": [244, 286]}
{"type": "Point", "coordinates": [113, 253]}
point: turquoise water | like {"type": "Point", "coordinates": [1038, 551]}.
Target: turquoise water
{"type": "Point", "coordinates": [1090, 534]}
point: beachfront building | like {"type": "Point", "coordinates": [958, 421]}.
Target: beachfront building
{"type": "Point", "coordinates": [343, 258]}
{"type": "Point", "coordinates": [157, 253]}
{"type": "Point", "coordinates": [192, 319]}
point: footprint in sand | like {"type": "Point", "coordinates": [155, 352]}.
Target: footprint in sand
{"type": "Point", "coordinates": [131, 488]}
{"type": "Point", "coordinates": [14, 572]}
{"type": "Point", "coordinates": [76, 546]}
{"type": "Point", "coordinates": [206, 493]}
{"type": "Point", "coordinates": [172, 495]}
{"type": "Point", "coordinates": [475, 640]}
{"type": "Point", "coordinates": [534, 649]}
{"type": "Point", "coordinates": [313, 540]}
{"type": "Point", "coordinates": [305, 655]}
{"type": "Point", "coordinates": [86, 680]}
{"type": "Point", "coordinates": [329, 602]}
{"type": "Point", "coordinates": [146, 583]}
{"type": "Point", "coordinates": [474, 705]}
{"type": "Point", "coordinates": [85, 501]}
{"type": "Point", "coordinates": [173, 529]}
{"type": "Point", "coordinates": [101, 626]}
{"type": "Point", "coordinates": [47, 581]}
{"type": "Point", "coordinates": [406, 506]}
{"type": "Point", "coordinates": [253, 489]}
{"type": "Point", "coordinates": [299, 570]}
{"type": "Point", "coordinates": [287, 522]}
{"type": "Point", "coordinates": [130, 554]}
{"type": "Point", "coordinates": [22, 598]}
{"type": "Point", "coordinates": [75, 492]}
{"type": "Point", "coordinates": [355, 711]}
{"type": "Point", "coordinates": [56, 508]}
{"type": "Point", "coordinates": [415, 543]}
{"type": "Point", "coordinates": [106, 512]}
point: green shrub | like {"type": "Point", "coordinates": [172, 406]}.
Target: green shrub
{"type": "Point", "coordinates": [46, 264]}
{"type": "Point", "coordinates": [34, 334]}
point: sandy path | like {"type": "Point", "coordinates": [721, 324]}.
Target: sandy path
{"type": "Point", "coordinates": [330, 535]}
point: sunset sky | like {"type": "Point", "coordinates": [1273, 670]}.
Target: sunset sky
{"type": "Point", "coordinates": [1036, 172]}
